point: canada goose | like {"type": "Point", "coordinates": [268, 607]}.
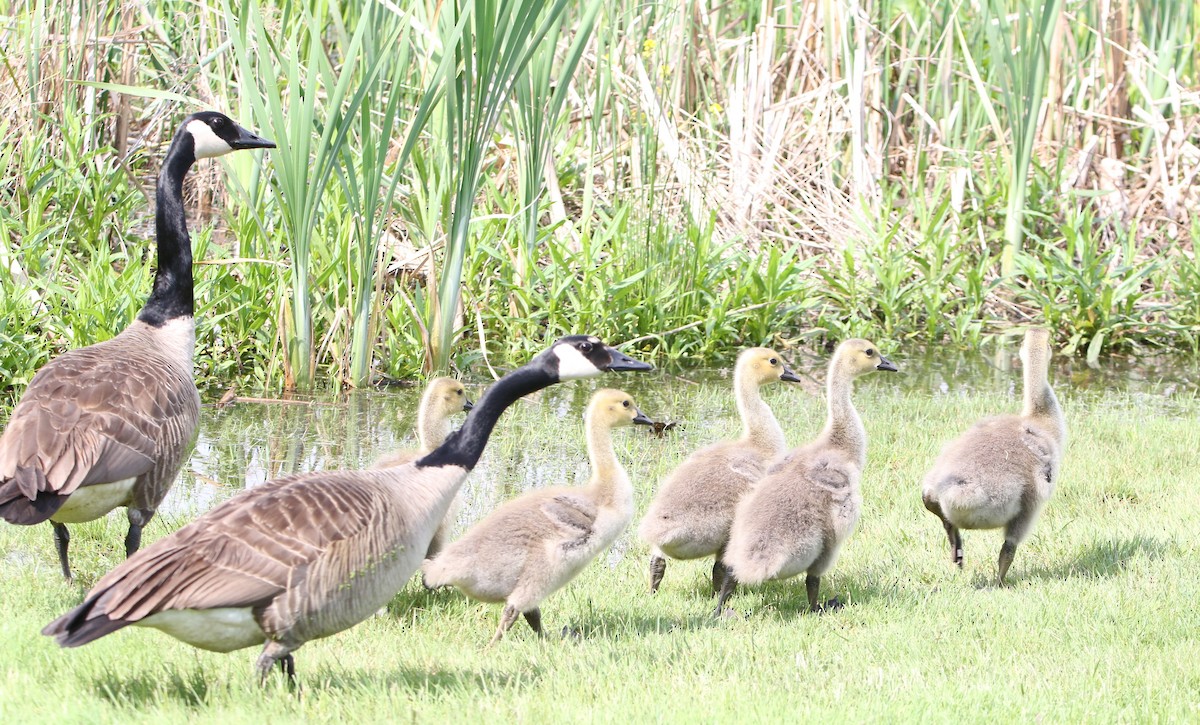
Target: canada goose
{"type": "Point", "coordinates": [796, 518]}
{"type": "Point", "coordinates": [1002, 471]}
{"type": "Point", "coordinates": [306, 556]}
{"type": "Point", "coordinates": [690, 515]}
{"type": "Point", "coordinates": [443, 398]}
{"type": "Point", "coordinates": [108, 425]}
{"type": "Point", "coordinates": [532, 546]}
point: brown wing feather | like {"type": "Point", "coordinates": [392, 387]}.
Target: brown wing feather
{"type": "Point", "coordinates": [93, 415]}
{"type": "Point", "coordinates": [244, 552]}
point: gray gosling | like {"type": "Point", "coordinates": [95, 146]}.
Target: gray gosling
{"type": "Point", "coordinates": [532, 546]}
{"type": "Point", "coordinates": [690, 515]}
{"type": "Point", "coordinates": [1002, 471]}
{"type": "Point", "coordinates": [443, 398]}
{"type": "Point", "coordinates": [109, 425]}
{"type": "Point", "coordinates": [306, 556]}
{"type": "Point", "coordinates": [797, 517]}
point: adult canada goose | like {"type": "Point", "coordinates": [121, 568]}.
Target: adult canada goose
{"type": "Point", "coordinates": [108, 425]}
{"type": "Point", "coordinates": [1002, 471]}
{"type": "Point", "coordinates": [443, 398]}
{"type": "Point", "coordinates": [532, 546]}
{"type": "Point", "coordinates": [306, 556]}
{"type": "Point", "coordinates": [798, 516]}
{"type": "Point", "coordinates": [690, 515]}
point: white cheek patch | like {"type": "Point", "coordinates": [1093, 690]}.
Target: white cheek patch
{"type": "Point", "coordinates": [572, 365]}
{"type": "Point", "coordinates": [206, 143]}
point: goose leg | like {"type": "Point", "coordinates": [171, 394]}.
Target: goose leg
{"type": "Point", "coordinates": [508, 617]}
{"type": "Point", "coordinates": [276, 652]}
{"type": "Point", "coordinates": [658, 567]}
{"type": "Point", "coordinates": [133, 539]}
{"type": "Point", "coordinates": [62, 539]}
{"type": "Point", "coordinates": [534, 617]}
{"type": "Point", "coordinates": [727, 587]}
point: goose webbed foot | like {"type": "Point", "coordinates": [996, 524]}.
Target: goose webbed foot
{"type": "Point", "coordinates": [830, 605]}
{"type": "Point", "coordinates": [62, 539]}
{"type": "Point", "coordinates": [658, 567]}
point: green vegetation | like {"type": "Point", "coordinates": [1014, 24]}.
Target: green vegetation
{"type": "Point", "coordinates": [1097, 625]}
{"type": "Point", "coordinates": [469, 178]}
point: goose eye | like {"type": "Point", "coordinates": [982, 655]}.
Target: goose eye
{"type": "Point", "coordinates": [774, 361]}
{"type": "Point", "coordinates": [585, 347]}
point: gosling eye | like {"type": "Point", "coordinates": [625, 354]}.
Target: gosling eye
{"type": "Point", "coordinates": [625, 403]}
{"type": "Point", "coordinates": [774, 361]}
{"type": "Point", "coordinates": [870, 352]}
{"type": "Point", "coordinates": [459, 393]}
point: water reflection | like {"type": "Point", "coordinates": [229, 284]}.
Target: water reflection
{"type": "Point", "coordinates": [247, 444]}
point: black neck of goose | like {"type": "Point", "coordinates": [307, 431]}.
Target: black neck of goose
{"type": "Point", "coordinates": [464, 446]}
{"type": "Point", "coordinates": [172, 295]}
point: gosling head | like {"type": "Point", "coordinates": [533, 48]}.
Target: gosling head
{"type": "Point", "coordinates": [214, 134]}
{"type": "Point", "coordinates": [445, 397]}
{"type": "Point", "coordinates": [615, 409]}
{"type": "Point", "coordinates": [764, 366]}
{"type": "Point", "coordinates": [586, 356]}
{"type": "Point", "coordinates": [856, 357]}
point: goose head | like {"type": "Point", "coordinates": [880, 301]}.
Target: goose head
{"type": "Point", "coordinates": [763, 365]}
{"type": "Point", "coordinates": [857, 357]}
{"type": "Point", "coordinates": [615, 409]}
{"type": "Point", "coordinates": [215, 134]}
{"type": "Point", "coordinates": [585, 356]}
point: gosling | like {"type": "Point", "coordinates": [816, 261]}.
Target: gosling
{"type": "Point", "coordinates": [797, 517]}
{"type": "Point", "coordinates": [443, 398]}
{"type": "Point", "coordinates": [532, 546]}
{"type": "Point", "coordinates": [1001, 472]}
{"type": "Point", "coordinates": [689, 518]}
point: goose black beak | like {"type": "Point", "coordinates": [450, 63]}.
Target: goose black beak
{"type": "Point", "coordinates": [641, 419]}
{"type": "Point", "coordinates": [620, 362]}
{"type": "Point", "coordinates": [789, 376]}
{"type": "Point", "coordinates": [467, 405]}
{"type": "Point", "coordinates": [886, 365]}
{"type": "Point", "coordinates": [248, 140]}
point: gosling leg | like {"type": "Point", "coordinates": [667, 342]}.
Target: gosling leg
{"type": "Point", "coordinates": [719, 572]}
{"type": "Point", "coordinates": [1007, 552]}
{"type": "Point", "coordinates": [956, 546]}
{"type": "Point", "coordinates": [658, 567]}
{"type": "Point", "coordinates": [727, 587]}
{"type": "Point", "coordinates": [534, 618]}
{"type": "Point", "coordinates": [62, 539]}
{"type": "Point", "coordinates": [508, 617]}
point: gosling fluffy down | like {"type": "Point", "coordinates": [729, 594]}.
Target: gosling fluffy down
{"type": "Point", "coordinates": [443, 398]}
{"type": "Point", "coordinates": [532, 546]}
{"type": "Point", "coordinates": [690, 515]}
{"type": "Point", "coordinates": [1001, 472]}
{"type": "Point", "coordinates": [797, 517]}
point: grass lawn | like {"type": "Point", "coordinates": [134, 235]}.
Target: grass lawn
{"type": "Point", "coordinates": [1099, 622]}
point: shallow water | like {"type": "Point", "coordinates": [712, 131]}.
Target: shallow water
{"type": "Point", "coordinates": [247, 444]}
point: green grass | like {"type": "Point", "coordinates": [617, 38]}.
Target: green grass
{"type": "Point", "coordinates": [1098, 623]}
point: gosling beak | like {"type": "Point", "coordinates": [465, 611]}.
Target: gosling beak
{"type": "Point", "coordinates": [641, 419]}
{"type": "Point", "coordinates": [789, 376]}
{"type": "Point", "coordinates": [886, 365]}
{"type": "Point", "coordinates": [467, 405]}
{"type": "Point", "coordinates": [620, 362]}
{"type": "Point", "coordinates": [248, 140]}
